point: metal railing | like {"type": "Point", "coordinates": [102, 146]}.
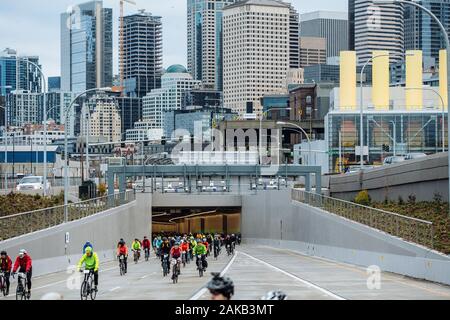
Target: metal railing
{"type": "Point", "coordinates": [27, 222]}
{"type": "Point", "coordinates": [407, 228]}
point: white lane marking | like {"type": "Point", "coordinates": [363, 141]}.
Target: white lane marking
{"type": "Point", "coordinates": [114, 289]}
{"type": "Point", "coordinates": [202, 291]}
{"type": "Point", "coordinates": [307, 283]}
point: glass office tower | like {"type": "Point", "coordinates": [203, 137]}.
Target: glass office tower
{"type": "Point", "coordinates": [86, 47]}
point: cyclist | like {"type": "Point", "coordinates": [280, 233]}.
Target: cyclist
{"type": "Point", "coordinates": [122, 250]}
{"type": "Point", "coordinates": [192, 244]}
{"type": "Point", "coordinates": [216, 244]}
{"type": "Point", "coordinates": [275, 295]}
{"type": "Point", "coordinates": [146, 245]}
{"type": "Point", "coordinates": [88, 244]}
{"type": "Point", "coordinates": [228, 243]}
{"type": "Point", "coordinates": [23, 264]}
{"type": "Point", "coordinates": [200, 250]}
{"type": "Point", "coordinates": [5, 267]}
{"type": "Point", "coordinates": [136, 247]}
{"type": "Point", "coordinates": [221, 288]}
{"type": "Point", "coordinates": [185, 248]}
{"type": "Point", "coordinates": [206, 244]}
{"type": "Point", "coordinates": [165, 249]}
{"type": "Point", "coordinates": [233, 240]}
{"type": "Point", "coordinates": [175, 256]}
{"type": "Point", "coordinates": [91, 262]}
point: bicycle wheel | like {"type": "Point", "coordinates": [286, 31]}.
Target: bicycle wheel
{"type": "Point", "coordinates": [122, 268]}
{"type": "Point", "coordinates": [3, 286]}
{"type": "Point", "coordinates": [20, 293]}
{"type": "Point", "coordinates": [165, 271]}
{"type": "Point", "coordinates": [93, 291]}
{"type": "Point", "coordinates": [84, 290]}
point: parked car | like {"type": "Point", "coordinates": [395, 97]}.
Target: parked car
{"type": "Point", "coordinates": [273, 185]}
{"type": "Point", "coordinates": [415, 155]}
{"type": "Point", "coordinates": [32, 183]}
{"type": "Point", "coordinates": [169, 189]}
{"type": "Point", "coordinates": [393, 160]}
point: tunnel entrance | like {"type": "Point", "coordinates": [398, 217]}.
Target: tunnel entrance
{"type": "Point", "coordinates": [196, 220]}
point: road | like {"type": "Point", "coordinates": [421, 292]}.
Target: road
{"type": "Point", "coordinates": [255, 270]}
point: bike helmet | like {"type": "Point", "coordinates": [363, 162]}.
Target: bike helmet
{"type": "Point", "coordinates": [221, 285]}
{"type": "Point", "coordinates": [3, 253]}
{"type": "Point", "coordinates": [22, 252]}
{"type": "Point", "coordinates": [275, 295]}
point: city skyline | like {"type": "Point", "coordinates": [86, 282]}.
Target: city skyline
{"type": "Point", "coordinates": [45, 17]}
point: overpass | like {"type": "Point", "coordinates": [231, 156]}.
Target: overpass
{"type": "Point", "coordinates": [294, 240]}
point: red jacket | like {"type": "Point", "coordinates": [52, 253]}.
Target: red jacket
{"type": "Point", "coordinates": [146, 243]}
{"type": "Point", "coordinates": [6, 264]}
{"type": "Point", "coordinates": [175, 253]}
{"type": "Point", "coordinates": [122, 250]}
{"type": "Point", "coordinates": [24, 263]}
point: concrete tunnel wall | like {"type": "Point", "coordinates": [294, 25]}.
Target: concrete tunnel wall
{"type": "Point", "coordinates": [48, 250]}
{"type": "Point", "coordinates": [271, 218]}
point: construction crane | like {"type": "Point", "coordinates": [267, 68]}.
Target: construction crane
{"type": "Point", "coordinates": [122, 45]}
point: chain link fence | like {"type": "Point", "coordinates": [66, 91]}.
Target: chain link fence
{"type": "Point", "coordinates": [407, 228]}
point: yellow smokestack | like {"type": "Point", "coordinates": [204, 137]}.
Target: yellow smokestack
{"type": "Point", "coordinates": [380, 80]}
{"type": "Point", "coordinates": [414, 98]}
{"type": "Point", "coordinates": [347, 80]}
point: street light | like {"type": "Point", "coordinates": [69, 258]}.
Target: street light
{"type": "Point", "coordinates": [443, 111]}
{"type": "Point", "coordinates": [260, 129]}
{"type": "Point", "coordinates": [282, 123]}
{"type": "Point", "coordinates": [447, 46]}
{"type": "Point", "coordinates": [66, 157]}
{"type": "Point", "coordinates": [5, 138]}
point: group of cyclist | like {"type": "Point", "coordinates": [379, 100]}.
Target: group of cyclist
{"type": "Point", "coordinates": [22, 264]}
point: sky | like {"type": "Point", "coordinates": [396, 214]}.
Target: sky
{"type": "Point", "coordinates": [32, 27]}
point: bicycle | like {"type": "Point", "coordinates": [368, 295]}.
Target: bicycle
{"type": "Point", "coordinates": [136, 255]}
{"type": "Point", "coordinates": [200, 265]}
{"type": "Point", "coordinates": [87, 287]}
{"type": "Point", "coordinates": [165, 265]}
{"type": "Point", "coordinates": [3, 283]}
{"type": "Point", "coordinates": [147, 254]}
{"type": "Point", "coordinates": [122, 265]}
{"type": "Point", "coordinates": [175, 271]}
{"type": "Point", "coordinates": [216, 252]}
{"type": "Point", "coordinates": [22, 284]}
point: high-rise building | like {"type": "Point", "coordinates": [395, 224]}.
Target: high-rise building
{"type": "Point", "coordinates": [24, 107]}
{"type": "Point", "coordinates": [423, 33]}
{"type": "Point", "coordinates": [331, 25]}
{"type": "Point", "coordinates": [378, 27]}
{"type": "Point", "coordinates": [104, 120]}
{"type": "Point", "coordinates": [86, 47]}
{"type": "Point", "coordinates": [294, 32]}
{"type": "Point", "coordinates": [54, 84]}
{"type": "Point", "coordinates": [204, 41]}
{"type": "Point", "coordinates": [174, 83]}
{"type": "Point", "coordinates": [18, 75]}
{"type": "Point", "coordinates": [351, 25]}
{"type": "Point", "coordinates": [256, 52]}
{"type": "Point", "coordinates": [312, 51]}
{"type": "Point", "coordinates": [142, 56]}
{"type": "Point", "coordinates": [130, 109]}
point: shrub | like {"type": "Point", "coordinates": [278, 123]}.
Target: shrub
{"type": "Point", "coordinates": [411, 199]}
{"type": "Point", "coordinates": [363, 198]}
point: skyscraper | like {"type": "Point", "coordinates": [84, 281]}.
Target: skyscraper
{"type": "Point", "coordinates": [378, 27]}
{"type": "Point", "coordinates": [18, 75]}
{"type": "Point", "coordinates": [294, 32]}
{"type": "Point", "coordinates": [256, 60]}
{"type": "Point", "coordinates": [142, 60]}
{"type": "Point", "coordinates": [333, 26]}
{"type": "Point", "coordinates": [86, 47]}
{"type": "Point", "coordinates": [351, 25]}
{"type": "Point", "coordinates": [204, 41]}
{"type": "Point", "coordinates": [313, 51]}
{"type": "Point", "coordinates": [422, 33]}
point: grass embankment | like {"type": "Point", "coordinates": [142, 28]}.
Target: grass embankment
{"type": "Point", "coordinates": [17, 203]}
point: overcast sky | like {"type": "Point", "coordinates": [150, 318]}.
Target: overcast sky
{"type": "Point", "coordinates": [32, 27]}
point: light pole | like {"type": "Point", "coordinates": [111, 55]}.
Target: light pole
{"type": "Point", "coordinates": [66, 157]}
{"type": "Point", "coordinates": [5, 135]}
{"type": "Point", "coordinates": [282, 123]}
{"type": "Point", "coordinates": [443, 111]}
{"type": "Point", "coordinates": [447, 46]}
{"type": "Point", "coordinates": [260, 129]}
{"type": "Point", "coordinates": [361, 111]}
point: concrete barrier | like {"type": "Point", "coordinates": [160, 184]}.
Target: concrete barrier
{"type": "Point", "coordinates": [423, 178]}
{"type": "Point", "coordinates": [273, 219]}
{"type": "Point", "coordinates": [50, 253]}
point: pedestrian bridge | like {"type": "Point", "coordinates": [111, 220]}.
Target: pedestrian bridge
{"type": "Point", "coordinates": [297, 241]}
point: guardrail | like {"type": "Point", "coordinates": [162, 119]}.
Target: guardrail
{"type": "Point", "coordinates": [407, 228]}
{"type": "Point", "coordinates": [27, 222]}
